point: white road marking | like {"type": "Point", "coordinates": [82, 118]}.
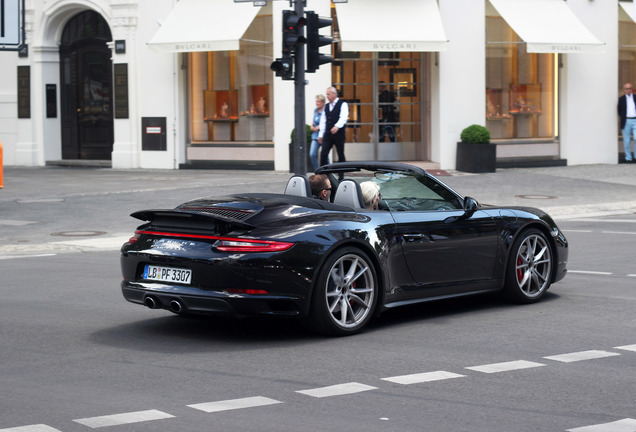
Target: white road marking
{"type": "Point", "coordinates": [627, 347]}
{"type": "Point", "coordinates": [25, 256]}
{"type": "Point", "coordinates": [619, 232]}
{"type": "Point", "coordinates": [337, 390]}
{"type": "Point", "coordinates": [232, 404]}
{"type": "Point", "coordinates": [422, 377]}
{"type": "Point", "coordinates": [31, 428]}
{"type": "Point", "coordinates": [506, 366]}
{"type": "Point", "coordinates": [122, 419]}
{"type": "Point", "coordinates": [625, 425]}
{"type": "Point", "coordinates": [590, 272]}
{"type": "Point", "coordinates": [631, 275]}
{"type": "Point", "coordinates": [10, 222]}
{"type": "Point", "coordinates": [580, 356]}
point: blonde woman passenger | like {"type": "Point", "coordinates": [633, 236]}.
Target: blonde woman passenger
{"type": "Point", "coordinates": [371, 194]}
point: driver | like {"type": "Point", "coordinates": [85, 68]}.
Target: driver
{"type": "Point", "coordinates": [320, 186]}
{"type": "Point", "coordinates": [371, 194]}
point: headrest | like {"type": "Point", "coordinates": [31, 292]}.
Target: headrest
{"type": "Point", "coordinates": [298, 185]}
{"type": "Point", "coordinates": [349, 194]}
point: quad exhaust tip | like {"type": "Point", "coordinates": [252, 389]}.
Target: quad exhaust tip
{"type": "Point", "coordinates": [176, 306]}
{"type": "Point", "coordinates": [151, 302]}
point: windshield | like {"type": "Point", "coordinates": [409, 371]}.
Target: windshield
{"type": "Point", "coordinates": [404, 191]}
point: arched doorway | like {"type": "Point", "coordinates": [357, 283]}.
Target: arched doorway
{"type": "Point", "coordinates": [86, 88]}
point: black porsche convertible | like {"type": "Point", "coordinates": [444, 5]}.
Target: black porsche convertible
{"type": "Point", "coordinates": [335, 265]}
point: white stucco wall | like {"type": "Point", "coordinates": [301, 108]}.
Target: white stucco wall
{"type": "Point", "coordinates": [588, 90]}
{"type": "Point", "coordinates": [8, 105]}
{"type": "Point", "coordinates": [460, 97]}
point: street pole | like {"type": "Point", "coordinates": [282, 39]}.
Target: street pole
{"type": "Point", "coordinates": [300, 141]}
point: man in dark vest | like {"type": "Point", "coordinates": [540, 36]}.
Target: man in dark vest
{"type": "Point", "coordinates": [332, 126]}
{"type": "Point", "coordinates": [627, 113]}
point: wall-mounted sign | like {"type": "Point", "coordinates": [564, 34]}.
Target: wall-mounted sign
{"type": "Point", "coordinates": [120, 72]}
{"type": "Point", "coordinates": [51, 101]}
{"type": "Point", "coordinates": [120, 47]}
{"type": "Point", "coordinates": [153, 137]}
{"type": "Point", "coordinates": [24, 92]}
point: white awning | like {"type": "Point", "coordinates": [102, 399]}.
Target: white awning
{"type": "Point", "coordinates": [396, 25]}
{"type": "Point", "coordinates": [629, 9]}
{"type": "Point", "coordinates": [547, 26]}
{"type": "Point", "coordinates": [204, 25]}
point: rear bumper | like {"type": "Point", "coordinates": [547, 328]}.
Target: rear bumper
{"type": "Point", "coordinates": [209, 303]}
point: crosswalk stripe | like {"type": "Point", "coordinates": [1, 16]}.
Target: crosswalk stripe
{"type": "Point", "coordinates": [624, 425]}
{"type": "Point", "coordinates": [122, 419]}
{"type": "Point", "coordinates": [422, 377]}
{"type": "Point", "coordinates": [580, 356]}
{"type": "Point", "coordinates": [505, 367]}
{"type": "Point", "coordinates": [337, 390]}
{"type": "Point", "coordinates": [31, 428]}
{"type": "Point", "coordinates": [232, 404]}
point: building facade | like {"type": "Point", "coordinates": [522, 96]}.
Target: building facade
{"type": "Point", "coordinates": [187, 83]}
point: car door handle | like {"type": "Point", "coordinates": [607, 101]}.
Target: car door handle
{"type": "Point", "coordinates": [413, 237]}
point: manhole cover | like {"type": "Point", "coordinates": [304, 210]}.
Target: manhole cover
{"type": "Point", "coordinates": [78, 233]}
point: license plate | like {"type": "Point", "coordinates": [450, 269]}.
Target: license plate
{"type": "Point", "coordinates": [167, 274]}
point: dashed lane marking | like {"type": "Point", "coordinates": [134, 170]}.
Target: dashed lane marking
{"type": "Point", "coordinates": [422, 377]}
{"type": "Point", "coordinates": [10, 222]}
{"type": "Point", "coordinates": [581, 355]}
{"type": "Point", "coordinates": [31, 428]}
{"type": "Point", "coordinates": [590, 272]}
{"type": "Point", "coordinates": [122, 419]}
{"type": "Point", "coordinates": [506, 366]}
{"type": "Point", "coordinates": [626, 347]}
{"type": "Point", "coordinates": [232, 404]}
{"type": "Point", "coordinates": [337, 390]}
{"type": "Point", "coordinates": [619, 232]}
{"type": "Point", "coordinates": [624, 425]}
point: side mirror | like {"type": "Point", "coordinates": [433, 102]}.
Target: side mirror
{"type": "Point", "coordinates": [470, 206]}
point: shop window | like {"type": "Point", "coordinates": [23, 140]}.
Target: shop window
{"type": "Point", "coordinates": [520, 86]}
{"type": "Point", "coordinates": [230, 92]}
{"type": "Point", "coordinates": [384, 91]}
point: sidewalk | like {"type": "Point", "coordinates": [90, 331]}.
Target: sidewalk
{"type": "Point", "coordinates": [55, 209]}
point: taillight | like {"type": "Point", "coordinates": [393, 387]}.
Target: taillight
{"type": "Point", "coordinates": [238, 245]}
{"type": "Point", "coordinates": [134, 238]}
{"type": "Point", "coordinates": [247, 291]}
{"type": "Point", "coordinates": [225, 244]}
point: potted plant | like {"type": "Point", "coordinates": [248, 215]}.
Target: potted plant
{"type": "Point", "coordinates": [292, 147]}
{"type": "Point", "coordinates": [475, 152]}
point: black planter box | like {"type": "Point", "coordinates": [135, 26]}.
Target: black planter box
{"type": "Point", "coordinates": [476, 158]}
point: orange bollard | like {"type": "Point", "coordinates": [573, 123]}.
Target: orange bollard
{"type": "Point", "coordinates": [1, 164]}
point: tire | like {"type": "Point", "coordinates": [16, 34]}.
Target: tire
{"type": "Point", "coordinates": [529, 270]}
{"type": "Point", "coordinates": [345, 293]}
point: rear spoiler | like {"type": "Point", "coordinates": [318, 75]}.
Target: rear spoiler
{"type": "Point", "coordinates": [151, 215]}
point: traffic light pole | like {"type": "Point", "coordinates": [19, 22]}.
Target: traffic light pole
{"type": "Point", "coordinates": [299, 162]}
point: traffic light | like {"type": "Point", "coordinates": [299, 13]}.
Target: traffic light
{"type": "Point", "coordinates": [315, 40]}
{"type": "Point", "coordinates": [284, 67]}
{"type": "Point", "coordinates": [292, 32]}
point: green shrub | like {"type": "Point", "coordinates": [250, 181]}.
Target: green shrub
{"type": "Point", "coordinates": [308, 129]}
{"type": "Point", "coordinates": [475, 134]}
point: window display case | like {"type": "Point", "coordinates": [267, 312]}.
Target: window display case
{"type": "Point", "coordinates": [496, 106]}
{"type": "Point", "coordinates": [221, 106]}
{"type": "Point", "coordinates": [525, 99]}
{"type": "Point", "coordinates": [258, 103]}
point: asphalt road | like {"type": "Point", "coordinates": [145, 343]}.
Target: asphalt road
{"type": "Point", "coordinates": [75, 356]}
